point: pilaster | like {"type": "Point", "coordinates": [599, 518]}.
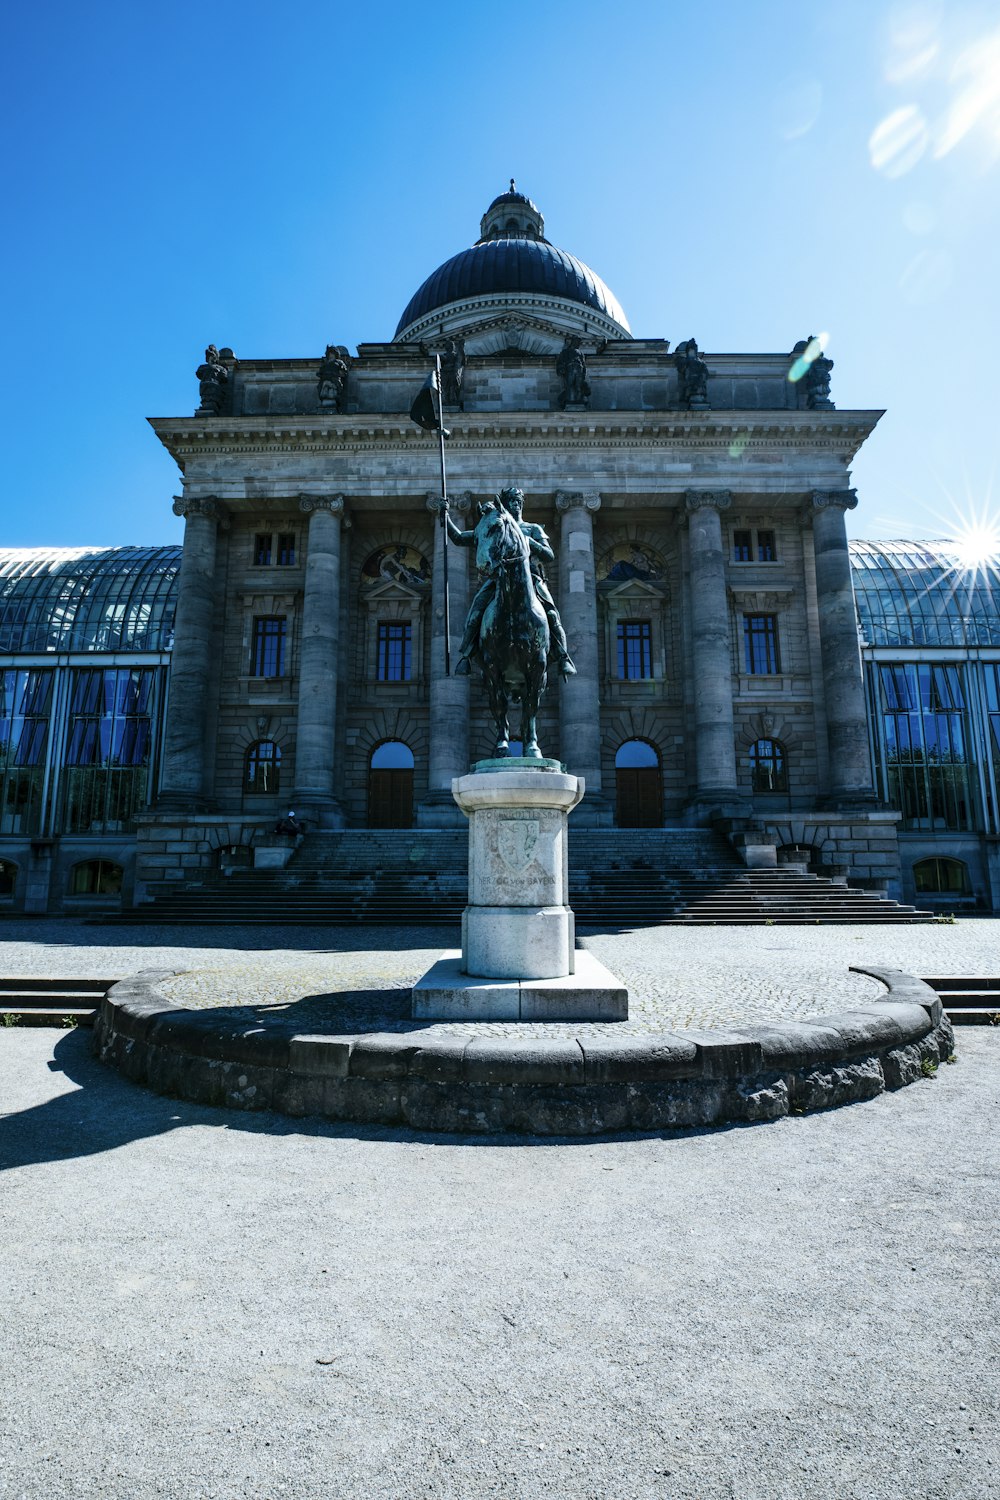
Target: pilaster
{"type": "Point", "coordinates": [315, 752]}
{"type": "Point", "coordinates": [843, 679]}
{"type": "Point", "coordinates": [715, 747]}
{"type": "Point", "coordinates": [184, 780]}
{"type": "Point", "coordinates": [580, 697]}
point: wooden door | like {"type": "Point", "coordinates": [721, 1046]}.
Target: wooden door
{"type": "Point", "coordinates": [639, 797]}
{"type": "Point", "coordinates": [390, 799]}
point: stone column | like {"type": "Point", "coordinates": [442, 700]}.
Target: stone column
{"type": "Point", "coordinates": [711, 652]}
{"type": "Point", "coordinates": [449, 695]}
{"type": "Point", "coordinates": [580, 696]}
{"type": "Point", "coordinates": [315, 743]}
{"type": "Point", "coordinates": [843, 677]}
{"type": "Point", "coordinates": [183, 778]}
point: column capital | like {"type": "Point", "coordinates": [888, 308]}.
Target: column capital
{"type": "Point", "coordinates": [567, 499]}
{"type": "Point", "coordinates": [842, 499]}
{"type": "Point", "coordinates": [460, 503]}
{"type": "Point", "coordinates": [208, 506]}
{"type": "Point", "coordinates": [717, 499]}
{"type": "Point", "coordinates": [332, 503]}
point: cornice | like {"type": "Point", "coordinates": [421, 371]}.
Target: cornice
{"type": "Point", "coordinates": [842, 432]}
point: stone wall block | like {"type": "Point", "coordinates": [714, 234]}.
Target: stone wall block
{"type": "Point", "coordinates": [517, 1060]}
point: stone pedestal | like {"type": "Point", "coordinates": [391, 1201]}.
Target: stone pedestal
{"type": "Point", "coordinates": [519, 959]}
{"type": "Point", "coordinates": [518, 924]}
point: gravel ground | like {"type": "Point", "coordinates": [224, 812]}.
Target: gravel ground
{"type": "Point", "coordinates": [207, 1304]}
{"type": "Point", "coordinates": [351, 979]}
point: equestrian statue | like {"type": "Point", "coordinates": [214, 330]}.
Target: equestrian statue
{"type": "Point", "coordinates": [513, 622]}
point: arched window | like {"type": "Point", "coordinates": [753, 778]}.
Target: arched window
{"type": "Point", "coordinates": [768, 766]}
{"type": "Point", "coordinates": [636, 753]}
{"type": "Point", "coordinates": [96, 877]}
{"type": "Point", "coordinates": [8, 878]}
{"type": "Point", "coordinates": [263, 768]}
{"type": "Point", "coordinates": [392, 755]}
{"type": "Point", "coordinates": [945, 876]}
{"type": "Point", "coordinates": [638, 785]}
{"type": "Point", "coordinates": [390, 786]}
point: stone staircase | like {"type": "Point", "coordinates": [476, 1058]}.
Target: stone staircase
{"type": "Point", "coordinates": [31, 1001]}
{"type": "Point", "coordinates": [972, 1001]}
{"type": "Point", "coordinates": [618, 878]}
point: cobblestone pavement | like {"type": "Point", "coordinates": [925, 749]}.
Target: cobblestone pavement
{"type": "Point", "coordinates": [358, 979]}
{"type": "Point", "coordinates": [207, 1305]}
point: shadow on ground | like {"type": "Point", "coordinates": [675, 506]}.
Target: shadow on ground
{"type": "Point", "coordinates": [105, 1112]}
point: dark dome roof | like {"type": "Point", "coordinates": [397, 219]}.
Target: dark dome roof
{"type": "Point", "coordinates": [512, 265]}
{"type": "Point", "coordinates": [512, 196]}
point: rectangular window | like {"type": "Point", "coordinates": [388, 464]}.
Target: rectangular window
{"type": "Point", "coordinates": [25, 701]}
{"type": "Point", "coordinates": [262, 550]}
{"type": "Point", "coordinates": [766, 551]}
{"type": "Point", "coordinates": [109, 742]}
{"type": "Point", "coordinates": [760, 644]}
{"type": "Point", "coordinates": [286, 549]}
{"type": "Point", "coordinates": [635, 650]}
{"type": "Point", "coordinates": [928, 756]}
{"type": "Point", "coordinates": [269, 646]}
{"type": "Point", "coordinates": [393, 664]}
{"type": "Point", "coordinates": [742, 546]}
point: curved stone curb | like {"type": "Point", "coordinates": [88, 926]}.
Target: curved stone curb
{"type": "Point", "coordinates": [581, 1086]}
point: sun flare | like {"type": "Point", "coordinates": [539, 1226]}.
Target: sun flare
{"type": "Point", "coordinates": [977, 544]}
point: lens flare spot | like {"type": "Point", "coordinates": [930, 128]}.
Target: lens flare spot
{"type": "Point", "coordinates": [927, 277]}
{"type": "Point", "coordinates": [897, 144]}
{"type": "Point", "coordinates": [976, 103]}
{"type": "Point", "coordinates": [812, 351]}
{"type": "Point", "coordinates": [796, 107]}
{"type": "Point", "coordinates": [737, 446]}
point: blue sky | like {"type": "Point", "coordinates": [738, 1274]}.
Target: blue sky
{"type": "Point", "coordinates": [276, 180]}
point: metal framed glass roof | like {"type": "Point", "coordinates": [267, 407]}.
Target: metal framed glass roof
{"type": "Point", "coordinates": [924, 594]}
{"type": "Point", "coordinates": [87, 598]}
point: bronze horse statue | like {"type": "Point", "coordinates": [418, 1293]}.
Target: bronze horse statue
{"type": "Point", "coordinates": [513, 644]}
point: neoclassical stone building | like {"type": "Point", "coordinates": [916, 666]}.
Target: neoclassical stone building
{"type": "Point", "coordinates": [696, 508]}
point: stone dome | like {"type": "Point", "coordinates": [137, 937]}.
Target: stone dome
{"type": "Point", "coordinates": [513, 267]}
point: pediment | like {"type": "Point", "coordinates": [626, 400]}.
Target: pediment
{"type": "Point", "coordinates": [633, 588]}
{"type": "Point", "coordinates": [389, 591]}
{"type": "Point", "coordinates": [528, 335]}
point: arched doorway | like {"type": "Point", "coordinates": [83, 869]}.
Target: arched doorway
{"type": "Point", "coordinates": [638, 785]}
{"type": "Point", "coordinates": [390, 786]}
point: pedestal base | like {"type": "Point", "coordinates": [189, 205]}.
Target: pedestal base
{"type": "Point", "coordinates": [506, 942]}
{"type": "Point", "coordinates": [592, 993]}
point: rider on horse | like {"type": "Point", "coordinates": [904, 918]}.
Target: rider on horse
{"type": "Point", "coordinates": [540, 552]}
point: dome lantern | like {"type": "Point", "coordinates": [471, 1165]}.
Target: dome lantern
{"type": "Point", "coordinates": [512, 216]}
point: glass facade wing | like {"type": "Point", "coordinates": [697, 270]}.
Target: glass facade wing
{"type": "Point", "coordinates": [88, 599]}
{"type": "Point", "coordinates": [923, 594]}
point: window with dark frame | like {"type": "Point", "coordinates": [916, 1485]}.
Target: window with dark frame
{"type": "Point", "coordinates": [751, 545]}
{"type": "Point", "coordinates": [760, 644]}
{"type": "Point", "coordinates": [635, 650]}
{"type": "Point", "coordinates": [262, 550]}
{"type": "Point", "coordinates": [286, 549]}
{"type": "Point", "coordinates": [268, 657]}
{"type": "Point", "coordinates": [263, 768]}
{"type": "Point", "coordinates": [768, 768]}
{"type": "Point", "coordinates": [393, 656]}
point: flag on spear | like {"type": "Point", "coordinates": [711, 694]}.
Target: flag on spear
{"type": "Point", "coordinates": [426, 412]}
{"type": "Point", "coordinates": [426, 409]}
